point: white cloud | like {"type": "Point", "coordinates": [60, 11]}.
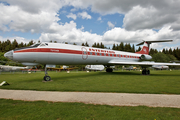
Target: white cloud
{"type": "Point", "coordinates": [71, 15]}
{"type": "Point", "coordinates": [74, 9]}
{"type": "Point", "coordinates": [140, 18]}
{"type": "Point", "coordinates": [110, 25]}
{"type": "Point", "coordinates": [13, 18]}
{"type": "Point", "coordinates": [84, 15]}
{"type": "Point", "coordinates": [69, 33]}
{"type": "Point", "coordinates": [146, 18]}
{"type": "Point", "coordinates": [37, 6]}
{"type": "Point", "coordinates": [148, 14]}
{"type": "Point", "coordinates": [99, 19]}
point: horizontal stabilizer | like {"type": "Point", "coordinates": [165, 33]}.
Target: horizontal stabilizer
{"type": "Point", "coordinates": [149, 42]}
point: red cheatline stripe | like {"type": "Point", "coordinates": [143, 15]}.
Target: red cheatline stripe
{"type": "Point", "coordinates": [50, 50]}
{"type": "Point", "coordinates": [55, 50]}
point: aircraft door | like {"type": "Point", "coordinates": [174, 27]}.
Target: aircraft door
{"type": "Point", "coordinates": [84, 53]}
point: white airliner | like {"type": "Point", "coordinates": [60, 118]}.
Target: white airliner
{"type": "Point", "coordinates": [160, 67]}
{"type": "Point", "coordinates": [65, 54]}
{"type": "Point", "coordinates": [12, 68]}
{"type": "Point", "coordinates": [95, 67]}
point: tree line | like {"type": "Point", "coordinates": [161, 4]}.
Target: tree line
{"type": "Point", "coordinates": [8, 45]}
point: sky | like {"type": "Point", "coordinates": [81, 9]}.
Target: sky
{"type": "Point", "coordinates": [80, 21]}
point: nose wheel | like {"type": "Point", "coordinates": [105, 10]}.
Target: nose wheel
{"type": "Point", "coordinates": [46, 77]}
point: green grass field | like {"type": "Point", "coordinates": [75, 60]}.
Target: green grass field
{"type": "Point", "coordinates": [40, 110]}
{"type": "Point", "coordinates": [159, 82]}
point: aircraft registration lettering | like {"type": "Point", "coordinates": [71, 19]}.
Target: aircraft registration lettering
{"type": "Point", "coordinates": [54, 50]}
{"type": "Point", "coordinates": [102, 51]}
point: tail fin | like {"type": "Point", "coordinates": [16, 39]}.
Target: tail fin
{"type": "Point", "coordinates": [145, 49]}
{"type": "Point", "coordinates": [146, 46]}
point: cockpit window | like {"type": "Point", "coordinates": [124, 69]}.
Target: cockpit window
{"type": "Point", "coordinates": [35, 45]}
{"type": "Point", "coordinates": [43, 44]}
{"type": "Point", "coordinates": [32, 46]}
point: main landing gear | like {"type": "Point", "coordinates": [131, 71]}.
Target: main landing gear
{"type": "Point", "coordinates": [46, 77]}
{"type": "Point", "coordinates": [108, 69]}
{"type": "Point", "coordinates": [145, 72]}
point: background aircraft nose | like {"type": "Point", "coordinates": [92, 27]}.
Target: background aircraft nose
{"type": "Point", "coordinates": [9, 55]}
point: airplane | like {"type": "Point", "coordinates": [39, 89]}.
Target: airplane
{"type": "Point", "coordinates": [160, 67]}
{"type": "Point", "coordinates": [66, 54]}
{"type": "Point", "coordinates": [64, 67]}
{"type": "Point", "coordinates": [11, 68]}
{"type": "Point", "coordinates": [95, 67]}
{"type": "Point", "coordinates": [129, 68]}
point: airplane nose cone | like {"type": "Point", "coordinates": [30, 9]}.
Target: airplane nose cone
{"type": "Point", "coordinates": [9, 55]}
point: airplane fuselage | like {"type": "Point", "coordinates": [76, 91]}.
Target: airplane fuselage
{"type": "Point", "coordinates": [56, 53]}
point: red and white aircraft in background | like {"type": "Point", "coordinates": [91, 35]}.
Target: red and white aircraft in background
{"type": "Point", "coordinates": [65, 54]}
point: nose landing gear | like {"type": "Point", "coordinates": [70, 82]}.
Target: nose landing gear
{"type": "Point", "coordinates": [46, 77]}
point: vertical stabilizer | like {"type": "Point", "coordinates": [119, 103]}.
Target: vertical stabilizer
{"type": "Point", "coordinates": [146, 46]}
{"type": "Point", "coordinates": [145, 49]}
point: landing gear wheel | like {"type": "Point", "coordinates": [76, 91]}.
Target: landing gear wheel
{"type": "Point", "coordinates": [145, 72]}
{"type": "Point", "coordinates": [47, 78]}
{"type": "Point", "coordinates": [109, 70]}
{"type": "Point", "coordinates": [148, 72]}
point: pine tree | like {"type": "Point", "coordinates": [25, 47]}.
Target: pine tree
{"type": "Point", "coordinates": [101, 45]}
{"type": "Point", "coordinates": [98, 46]}
{"type": "Point", "coordinates": [133, 48]}
{"type": "Point", "coordinates": [121, 46]}
{"type": "Point", "coordinates": [82, 44]}
{"type": "Point", "coordinates": [86, 44]}
{"type": "Point", "coordinates": [14, 44]}
{"type": "Point", "coordinates": [114, 47]}
{"type": "Point", "coordinates": [94, 45]}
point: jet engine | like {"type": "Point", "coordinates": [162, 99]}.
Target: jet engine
{"type": "Point", "coordinates": [145, 57]}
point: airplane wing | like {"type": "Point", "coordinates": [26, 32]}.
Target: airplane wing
{"type": "Point", "coordinates": [144, 63]}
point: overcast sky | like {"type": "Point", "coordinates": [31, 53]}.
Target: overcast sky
{"type": "Point", "coordinates": [78, 21]}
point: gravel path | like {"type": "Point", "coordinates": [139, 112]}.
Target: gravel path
{"type": "Point", "coordinates": [114, 99]}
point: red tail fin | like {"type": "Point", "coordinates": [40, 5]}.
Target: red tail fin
{"type": "Point", "coordinates": [145, 49]}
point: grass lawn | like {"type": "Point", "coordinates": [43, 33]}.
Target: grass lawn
{"type": "Point", "coordinates": [159, 82]}
{"type": "Point", "coordinates": [40, 110]}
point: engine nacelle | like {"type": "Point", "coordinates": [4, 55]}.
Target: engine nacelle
{"type": "Point", "coordinates": [145, 57]}
{"type": "Point", "coordinates": [30, 64]}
